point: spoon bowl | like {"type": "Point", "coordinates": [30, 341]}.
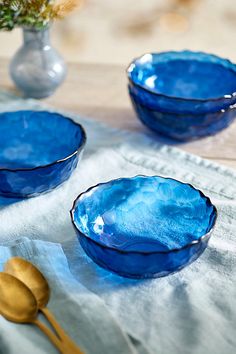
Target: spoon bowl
{"type": "Point", "coordinates": [23, 311]}
{"type": "Point", "coordinates": [31, 277]}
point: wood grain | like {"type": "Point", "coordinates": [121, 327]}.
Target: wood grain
{"type": "Point", "coordinates": [99, 91]}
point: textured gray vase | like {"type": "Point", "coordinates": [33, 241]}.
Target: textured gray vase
{"type": "Point", "coordinates": [37, 69]}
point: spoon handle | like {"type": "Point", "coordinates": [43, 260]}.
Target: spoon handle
{"type": "Point", "coordinates": [66, 341]}
{"type": "Point", "coordinates": [53, 338]}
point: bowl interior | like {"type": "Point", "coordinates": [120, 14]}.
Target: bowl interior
{"type": "Point", "coordinates": [30, 139]}
{"type": "Point", "coordinates": [186, 75]}
{"type": "Point", "coordinates": [144, 214]}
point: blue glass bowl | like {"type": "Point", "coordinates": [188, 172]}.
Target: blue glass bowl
{"type": "Point", "coordinates": [143, 227]}
{"type": "Point", "coordinates": [183, 95]}
{"type": "Point", "coordinates": [38, 151]}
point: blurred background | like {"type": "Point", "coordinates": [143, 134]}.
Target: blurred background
{"type": "Point", "coordinates": [115, 31]}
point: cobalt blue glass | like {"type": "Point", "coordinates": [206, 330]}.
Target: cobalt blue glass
{"type": "Point", "coordinates": [143, 227]}
{"type": "Point", "coordinates": [38, 151]}
{"type": "Point", "coordinates": [183, 95]}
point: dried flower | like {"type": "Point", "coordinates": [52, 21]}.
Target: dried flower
{"type": "Point", "coordinates": [33, 13]}
{"type": "Point", "coordinates": [63, 7]}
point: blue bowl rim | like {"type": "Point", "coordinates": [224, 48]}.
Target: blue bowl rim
{"type": "Point", "coordinates": [80, 148]}
{"type": "Point", "coordinates": [186, 99]}
{"type": "Point", "coordinates": [174, 250]}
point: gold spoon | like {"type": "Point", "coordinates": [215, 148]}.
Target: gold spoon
{"type": "Point", "coordinates": [18, 304]}
{"type": "Point", "coordinates": [36, 282]}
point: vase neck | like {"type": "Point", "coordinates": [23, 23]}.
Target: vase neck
{"type": "Point", "coordinates": [36, 37]}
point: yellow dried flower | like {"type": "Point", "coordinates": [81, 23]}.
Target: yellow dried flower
{"type": "Point", "coordinates": [61, 8]}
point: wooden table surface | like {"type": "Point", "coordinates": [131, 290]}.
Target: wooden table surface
{"type": "Point", "coordinates": [100, 92]}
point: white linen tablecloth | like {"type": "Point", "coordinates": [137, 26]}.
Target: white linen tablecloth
{"type": "Point", "coordinates": [193, 311]}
